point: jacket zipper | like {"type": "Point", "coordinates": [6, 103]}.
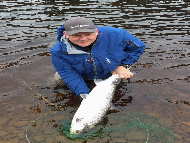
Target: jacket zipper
{"type": "Point", "coordinates": [92, 60]}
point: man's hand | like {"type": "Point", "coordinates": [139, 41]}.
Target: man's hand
{"type": "Point", "coordinates": [122, 72]}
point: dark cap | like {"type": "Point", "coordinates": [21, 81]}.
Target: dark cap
{"type": "Point", "coordinates": [79, 24]}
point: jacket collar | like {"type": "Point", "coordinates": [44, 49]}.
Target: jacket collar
{"type": "Point", "coordinates": [70, 48]}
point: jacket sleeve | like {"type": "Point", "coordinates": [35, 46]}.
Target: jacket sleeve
{"type": "Point", "coordinates": [69, 75]}
{"type": "Point", "coordinates": [134, 48]}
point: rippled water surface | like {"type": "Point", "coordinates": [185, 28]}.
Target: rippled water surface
{"type": "Point", "coordinates": [160, 87]}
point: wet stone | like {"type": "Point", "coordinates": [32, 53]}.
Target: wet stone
{"type": "Point", "coordinates": [9, 136]}
{"type": "Point", "coordinates": [169, 138]}
{"type": "Point", "coordinates": [15, 140]}
{"type": "Point", "coordinates": [157, 132]}
{"type": "Point", "coordinates": [135, 142]}
{"type": "Point", "coordinates": [1, 127]}
{"type": "Point", "coordinates": [186, 123]}
{"type": "Point", "coordinates": [47, 136]}
{"type": "Point", "coordinates": [48, 130]}
{"type": "Point", "coordinates": [178, 141]}
{"type": "Point", "coordinates": [11, 123]}
{"type": "Point", "coordinates": [95, 140]}
{"type": "Point", "coordinates": [178, 129]}
{"type": "Point", "coordinates": [44, 125]}
{"type": "Point", "coordinates": [187, 139]}
{"type": "Point", "coordinates": [178, 136]}
{"type": "Point", "coordinates": [136, 136]}
{"type": "Point", "coordinates": [38, 138]}
{"type": "Point", "coordinates": [3, 121]}
{"type": "Point", "coordinates": [60, 138]}
{"type": "Point", "coordinates": [11, 109]}
{"type": "Point", "coordinates": [106, 139]}
{"type": "Point", "coordinates": [168, 121]}
{"type": "Point", "coordinates": [117, 135]}
{"type": "Point", "coordinates": [185, 128]}
{"type": "Point", "coordinates": [22, 134]}
{"type": "Point", "coordinates": [119, 140]}
{"type": "Point", "coordinates": [55, 134]}
{"type": "Point", "coordinates": [10, 129]}
{"type": "Point", "coordinates": [49, 140]}
{"type": "Point", "coordinates": [3, 133]}
{"type": "Point", "coordinates": [21, 123]}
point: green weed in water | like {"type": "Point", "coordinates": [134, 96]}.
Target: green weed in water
{"type": "Point", "coordinates": [65, 130]}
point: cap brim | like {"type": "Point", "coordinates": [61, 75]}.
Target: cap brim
{"type": "Point", "coordinates": [80, 30]}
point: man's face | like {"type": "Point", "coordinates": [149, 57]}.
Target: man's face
{"type": "Point", "coordinates": [82, 39]}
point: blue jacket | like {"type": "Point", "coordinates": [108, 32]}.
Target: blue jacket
{"type": "Point", "coordinates": [113, 47]}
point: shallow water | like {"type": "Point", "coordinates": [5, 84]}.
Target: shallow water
{"type": "Point", "coordinates": [160, 87]}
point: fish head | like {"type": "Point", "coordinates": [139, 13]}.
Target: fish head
{"type": "Point", "coordinates": [78, 126]}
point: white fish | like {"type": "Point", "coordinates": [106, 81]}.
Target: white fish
{"type": "Point", "coordinates": [95, 105]}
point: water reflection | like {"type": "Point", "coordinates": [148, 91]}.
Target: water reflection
{"type": "Point", "coordinates": [25, 22]}
{"type": "Point", "coordinates": [28, 31]}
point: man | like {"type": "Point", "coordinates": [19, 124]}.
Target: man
{"type": "Point", "coordinates": [86, 51]}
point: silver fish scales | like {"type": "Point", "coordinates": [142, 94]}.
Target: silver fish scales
{"type": "Point", "coordinates": [94, 107]}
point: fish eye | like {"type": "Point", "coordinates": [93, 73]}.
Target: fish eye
{"type": "Point", "coordinates": [78, 120]}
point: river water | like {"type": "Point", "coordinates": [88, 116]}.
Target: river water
{"type": "Point", "coordinates": [160, 87]}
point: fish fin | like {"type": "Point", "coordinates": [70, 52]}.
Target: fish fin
{"type": "Point", "coordinates": [113, 107]}
{"type": "Point", "coordinates": [96, 81]}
